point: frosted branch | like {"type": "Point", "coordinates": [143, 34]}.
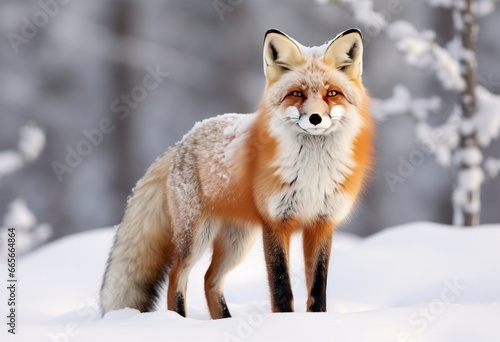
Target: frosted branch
{"type": "Point", "coordinates": [30, 145]}
{"type": "Point", "coordinates": [31, 142]}
{"type": "Point", "coordinates": [492, 167]}
{"type": "Point", "coordinates": [483, 7]}
{"type": "Point", "coordinates": [467, 180]}
{"type": "Point", "coordinates": [362, 12]}
{"type": "Point", "coordinates": [486, 121]}
{"type": "Point", "coordinates": [421, 52]}
{"type": "Point", "coordinates": [402, 103]}
{"type": "Point", "coordinates": [10, 161]}
{"type": "Point", "coordinates": [440, 140]}
{"type": "Point", "coordinates": [442, 3]}
{"type": "Point", "coordinates": [29, 234]}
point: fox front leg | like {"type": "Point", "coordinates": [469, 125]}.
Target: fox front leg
{"type": "Point", "coordinates": [317, 246]}
{"type": "Point", "coordinates": [276, 252]}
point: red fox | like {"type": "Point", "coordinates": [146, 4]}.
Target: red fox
{"type": "Point", "coordinates": [297, 163]}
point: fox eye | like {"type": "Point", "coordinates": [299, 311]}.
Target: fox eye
{"type": "Point", "coordinates": [296, 93]}
{"type": "Point", "coordinates": [331, 93]}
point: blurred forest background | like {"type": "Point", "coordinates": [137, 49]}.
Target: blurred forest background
{"type": "Point", "coordinates": [73, 70]}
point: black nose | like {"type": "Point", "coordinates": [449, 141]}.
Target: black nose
{"type": "Point", "coordinates": [315, 119]}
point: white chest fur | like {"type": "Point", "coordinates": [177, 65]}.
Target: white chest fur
{"type": "Point", "coordinates": [313, 169]}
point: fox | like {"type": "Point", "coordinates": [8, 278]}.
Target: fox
{"type": "Point", "coordinates": [297, 164]}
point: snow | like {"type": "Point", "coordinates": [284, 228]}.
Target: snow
{"type": "Point", "coordinates": [442, 3]}
{"type": "Point", "coordinates": [238, 133]}
{"type": "Point", "coordinates": [416, 282]}
{"type": "Point", "coordinates": [443, 139]}
{"type": "Point", "coordinates": [483, 7]}
{"type": "Point", "coordinates": [439, 140]}
{"type": "Point", "coordinates": [492, 167]}
{"type": "Point", "coordinates": [29, 234]}
{"type": "Point", "coordinates": [19, 215]}
{"type": "Point", "coordinates": [466, 195]}
{"type": "Point", "coordinates": [468, 156]}
{"type": "Point", "coordinates": [401, 102]}
{"type": "Point", "coordinates": [10, 161]}
{"type": "Point", "coordinates": [363, 12]}
{"type": "Point", "coordinates": [30, 145]}
{"type": "Point", "coordinates": [234, 129]}
{"type": "Point", "coordinates": [487, 118]}
{"type": "Point", "coordinates": [423, 53]}
{"type": "Point", "coordinates": [32, 142]}
{"type": "Point", "coordinates": [470, 179]}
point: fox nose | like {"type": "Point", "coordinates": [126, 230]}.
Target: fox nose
{"type": "Point", "coordinates": [315, 119]}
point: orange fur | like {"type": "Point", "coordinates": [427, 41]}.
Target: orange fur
{"type": "Point", "coordinates": [363, 153]}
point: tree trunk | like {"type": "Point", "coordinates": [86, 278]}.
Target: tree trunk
{"type": "Point", "coordinates": [122, 83]}
{"type": "Point", "coordinates": [469, 176]}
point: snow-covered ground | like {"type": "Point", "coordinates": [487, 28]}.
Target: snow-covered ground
{"type": "Point", "coordinates": [417, 282]}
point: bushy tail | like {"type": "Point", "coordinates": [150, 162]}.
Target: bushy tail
{"type": "Point", "coordinates": [142, 250]}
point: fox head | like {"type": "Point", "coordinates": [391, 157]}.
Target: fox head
{"type": "Point", "coordinates": [314, 90]}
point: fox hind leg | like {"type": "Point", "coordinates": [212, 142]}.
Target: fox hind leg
{"type": "Point", "coordinates": [188, 252]}
{"type": "Point", "coordinates": [231, 245]}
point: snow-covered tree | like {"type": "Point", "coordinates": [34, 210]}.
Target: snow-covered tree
{"type": "Point", "coordinates": [18, 216]}
{"type": "Point", "coordinates": [475, 114]}
{"type": "Point", "coordinates": [29, 234]}
{"type": "Point", "coordinates": [30, 145]}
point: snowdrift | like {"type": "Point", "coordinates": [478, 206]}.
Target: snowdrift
{"type": "Point", "coordinates": [417, 282]}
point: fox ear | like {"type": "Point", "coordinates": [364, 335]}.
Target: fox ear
{"type": "Point", "coordinates": [345, 53]}
{"type": "Point", "coordinates": [281, 54]}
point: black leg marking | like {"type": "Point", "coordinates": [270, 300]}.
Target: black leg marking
{"type": "Point", "coordinates": [282, 290]}
{"type": "Point", "coordinates": [179, 304]}
{"type": "Point", "coordinates": [224, 308]}
{"type": "Point", "coordinates": [318, 290]}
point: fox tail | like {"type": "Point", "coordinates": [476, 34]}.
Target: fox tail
{"type": "Point", "coordinates": [142, 252]}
